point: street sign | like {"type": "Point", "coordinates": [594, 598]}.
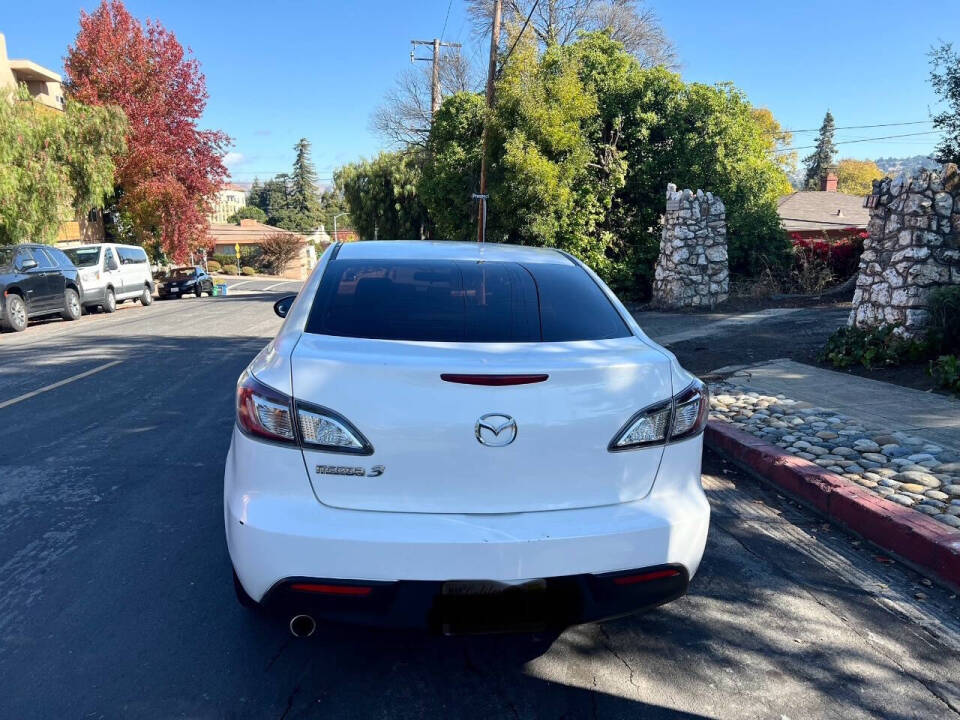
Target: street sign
{"type": "Point", "coordinates": [236, 249]}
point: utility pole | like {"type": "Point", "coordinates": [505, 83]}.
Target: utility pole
{"type": "Point", "coordinates": [491, 72]}
{"type": "Point", "coordinates": [435, 59]}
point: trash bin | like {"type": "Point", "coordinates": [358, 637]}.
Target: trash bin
{"type": "Point", "coordinates": [220, 289]}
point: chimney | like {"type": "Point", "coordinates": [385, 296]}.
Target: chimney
{"type": "Point", "coordinates": [829, 182]}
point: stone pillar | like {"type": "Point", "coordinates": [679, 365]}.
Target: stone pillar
{"type": "Point", "coordinates": [692, 268]}
{"type": "Point", "coordinates": [912, 249]}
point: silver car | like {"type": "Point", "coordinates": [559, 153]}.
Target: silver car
{"type": "Point", "coordinates": [112, 274]}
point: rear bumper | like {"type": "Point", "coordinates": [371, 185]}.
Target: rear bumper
{"type": "Point", "coordinates": [555, 603]}
{"type": "Point", "coordinates": [277, 530]}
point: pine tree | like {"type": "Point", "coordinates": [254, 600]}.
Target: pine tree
{"type": "Point", "coordinates": [304, 200]}
{"type": "Point", "coordinates": [255, 195]}
{"type": "Point", "coordinates": [821, 158]}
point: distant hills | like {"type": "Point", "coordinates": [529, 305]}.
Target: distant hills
{"type": "Point", "coordinates": [890, 166]}
{"type": "Point", "coordinates": [908, 166]}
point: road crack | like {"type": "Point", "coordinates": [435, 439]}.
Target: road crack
{"type": "Point", "coordinates": [608, 642]}
{"type": "Point", "coordinates": [807, 589]}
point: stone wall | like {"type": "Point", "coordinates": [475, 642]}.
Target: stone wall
{"type": "Point", "coordinates": [912, 249]}
{"type": "Point", "coordinates": [692, 268]}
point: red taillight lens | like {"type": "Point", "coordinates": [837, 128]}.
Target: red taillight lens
{"type": "Point", "coordinates": [645, 577]}
{"type": "Point", "coordinates": [322, 589]}
{"type": "Point", "coordinates": [264, 412]}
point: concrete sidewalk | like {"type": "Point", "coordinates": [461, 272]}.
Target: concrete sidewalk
{"type": "Point", "coordinates": [931, 416]}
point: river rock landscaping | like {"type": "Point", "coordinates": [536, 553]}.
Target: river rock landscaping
{"type": "Point", "coordinates": [903, 468]}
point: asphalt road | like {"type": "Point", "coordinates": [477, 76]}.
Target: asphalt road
{"type": "Point", "coordinates": [116, 601]}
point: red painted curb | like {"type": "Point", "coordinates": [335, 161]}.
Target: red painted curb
{"type": "Point", "coordinates": [918, 539]}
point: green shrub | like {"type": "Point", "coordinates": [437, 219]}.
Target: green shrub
{"type": "Point", "coordinates": [946, 372]}
{"type": "Point", "coordinates": [943, 324]}
{"type": "Point", "coordinates": [224, 259]}
{"type": "Point", "coordinates": [247, 270]}
{"type": "Point", "coordinates": [230, 269]}
{"type": "Point", "coordinates": [871, 348]}
{"type": "Point", "coordinates": [251, 257]}
{"type": "Point", "coordinates": [213, 266]}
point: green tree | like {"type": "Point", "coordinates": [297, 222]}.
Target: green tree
{"type": "Point", "coordinates": [452, 167]}
{"type": "Point", "coordinates": [821, 158]}
{"type": "Point", "coordinates": [332, 203]}
{"type": "Point", "coordinates": [583, 143]}
{"type": "Point", "coordinates": [855, 177]}
{"type": "Point", "coordinates": [554, 168]}
{"type": "Point", "coordinates": [381, 195]}
{"type": "Point", "coordinates": [779, 146]}
{"type": "Point", "coordinates": [255, 194]}
{"type": "Point", "coordinates": [250, 212]}
{"type": "Point", "coordinates": [945, 79]}
{"type": "Point", "coordinates": [52, 163]}
{"type": "Point", "coordinates": [699, 137]}
{"type": "Point", "coordinates": [303, 198]}
{"type": "Point", "coordinates": [290, 200]}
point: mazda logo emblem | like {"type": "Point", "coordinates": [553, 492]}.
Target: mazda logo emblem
{"type": "Point", "coordinates": [496, 430]}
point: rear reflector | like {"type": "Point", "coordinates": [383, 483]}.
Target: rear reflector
{"type": "Point", "coordinates": [496, 380]}
{"type": "Point", "coordinates": [355, 590]}
{"type": "Point", "coordinates": [645, 577]}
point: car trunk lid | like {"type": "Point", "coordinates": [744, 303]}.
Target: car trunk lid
{"type": "Point", "coordinates": [447, 446]}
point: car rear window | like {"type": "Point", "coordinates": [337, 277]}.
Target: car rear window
{"type": "Point", "coordinates": [85, 256]}
{"type": "Point", "coordinates": [461, 301]}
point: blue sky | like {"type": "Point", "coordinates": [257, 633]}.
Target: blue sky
{"type": "Point", "coordinates": [277, 71]}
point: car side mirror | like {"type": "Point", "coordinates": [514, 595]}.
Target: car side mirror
{"type": "Point", "coordinates": [282, 306]}
{"type": "Point", "coordinates": [112, 265]}
{"type": "Point", "coordinates": [28, 264]}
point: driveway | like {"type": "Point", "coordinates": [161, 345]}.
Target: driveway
{"type": "Point", "coordinates": [116, 601]}
{"type": "Point", "coordinates": [707, 341]}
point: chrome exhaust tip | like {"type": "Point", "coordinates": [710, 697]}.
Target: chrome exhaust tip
{"type": "Point", "coordinates": [302, 626]}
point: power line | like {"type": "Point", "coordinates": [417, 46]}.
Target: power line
{"type": "Point", "coordinates": [862, 140]}
{"type": "Point", "coordinates": [855, 127]}
{"type": "Point", "coordinates": [449, 5]}
{"type": "Point", "coordinates": [519, 35]}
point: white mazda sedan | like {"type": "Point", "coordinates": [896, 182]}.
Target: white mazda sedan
{"type": "Point", "coordinates": [464, 437]}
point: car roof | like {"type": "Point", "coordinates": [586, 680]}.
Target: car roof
{"type": "Point", "coordinates": [447, 250]}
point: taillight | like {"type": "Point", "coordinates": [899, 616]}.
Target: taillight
{"type": "Point", "coordinates": [267, 413]}
{"type": "Point", "coordinates": [690, 410]}
{"type": "Point", "coordinates": [323, 429]}
{"type": "Point", "coordinates": [683, 416]}
{"type": "Point", "coordinates": [264, 412]}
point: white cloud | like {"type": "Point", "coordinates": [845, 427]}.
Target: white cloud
{"type": "Point", "coordinates": [232, 158]}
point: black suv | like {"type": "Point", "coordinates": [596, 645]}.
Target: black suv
{"type": "Point", "coordinates": [37, 280]}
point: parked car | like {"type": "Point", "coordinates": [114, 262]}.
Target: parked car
{"type": "Point", "coordinates": [463, 436]}
{"type": "Point", "coordinates": [113, 274]}
{"type": "Point", "coordinates": [185, 280]}
{"type": "Point", "coordinates": [37, 280]}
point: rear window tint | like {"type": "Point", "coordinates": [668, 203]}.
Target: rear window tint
{"type": "Point", "coordinates": [461, 301]}
{"type": "Point", "coordinates": [573, 307]}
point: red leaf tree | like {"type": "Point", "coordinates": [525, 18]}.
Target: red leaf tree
{"type": "Point", "coordinates": [172, 169]}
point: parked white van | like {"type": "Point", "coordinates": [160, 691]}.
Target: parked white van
{"type": "Point", "coordinates": [113, 273]}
